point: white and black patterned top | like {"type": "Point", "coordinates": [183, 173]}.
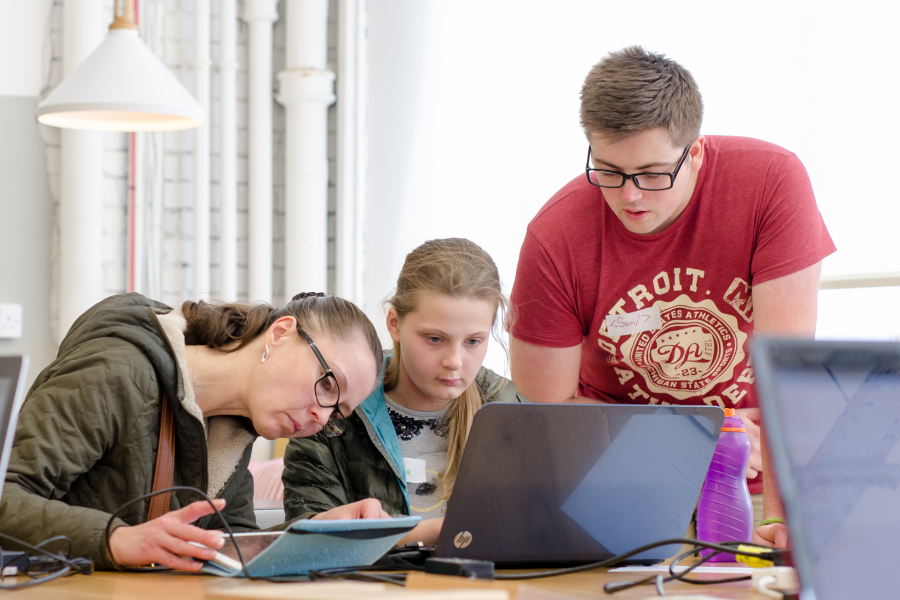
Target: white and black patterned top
{"type": "Point", "coordinates": [423, 435]}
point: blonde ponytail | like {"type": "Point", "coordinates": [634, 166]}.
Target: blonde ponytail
{"type": "Point", "coordinates": [461, 416]}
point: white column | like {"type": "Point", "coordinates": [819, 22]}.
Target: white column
{"type": "Point", "coordinates": [306, 89]}
{"type": "Point", "coordinates": [228, 126]}
{"type": "Point", "coordinates": [260, 15]}
{"type": "Point", "coordinates": [81, 177]}
{"type": "Point", "coordinates": [151, 168]}
{"type": "Point", "coordinates": [351, 151]}
{"type": "Point", "coordinates": [201, 151]}
{"type": "Point", "coordinates": [155, 265]}
{"type": "Point", "coordinates": [139, 231]}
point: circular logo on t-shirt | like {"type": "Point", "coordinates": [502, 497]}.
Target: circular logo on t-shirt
{"type": "Point", "coordinates": [696, 348]}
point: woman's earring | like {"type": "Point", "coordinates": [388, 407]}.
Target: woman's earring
{"type": "Point", "coordinates": [265, 355]}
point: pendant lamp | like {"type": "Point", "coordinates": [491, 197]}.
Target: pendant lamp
{"type": "Point", "coordinates": [121, 86]}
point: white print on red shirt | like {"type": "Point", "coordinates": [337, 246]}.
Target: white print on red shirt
{"type": "Point", "coordinates": [698, 346]}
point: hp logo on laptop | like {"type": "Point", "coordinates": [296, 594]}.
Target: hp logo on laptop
{"type": "Point", "coordinates": [462, 539]}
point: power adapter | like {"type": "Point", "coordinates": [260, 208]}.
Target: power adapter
{"type": "Point", "coordinates": [12, 562]}
{"type": "Point", "coordinates": [460, 567]}
{"type": "Point", "coordinates": [776, 582]}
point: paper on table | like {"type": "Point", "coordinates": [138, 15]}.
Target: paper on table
{"type": "Point", "coordinates": [665, 569]}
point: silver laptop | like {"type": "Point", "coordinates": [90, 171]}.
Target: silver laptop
{"type": "Point", "coordinates": [12, 394]}
{"type": "Point", "coordinates": [558, 484]}
{"type": "Point", "coordinates": [832, 416]}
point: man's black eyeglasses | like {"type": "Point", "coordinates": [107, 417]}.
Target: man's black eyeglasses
{"type": "Point", "coordinates": [328, 393]}
{"type": "Point", "coordinates": [651, 182]}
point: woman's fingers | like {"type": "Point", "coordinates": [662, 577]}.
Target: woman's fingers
{"type": "Point", "coordinates": [178, 525]}
{"type": "Point", "coordinates": [148, 544]}
{"type": "Point", "coordinates": [195, 510]}
{"type": "Point", "coordinates": [191, 533]}
{"type": "Point", "coordinates": [174, 561]}
{"type": "Point", "coordinates": [166, 540]}
{"type": "Point", "coordinates": [370, 508]}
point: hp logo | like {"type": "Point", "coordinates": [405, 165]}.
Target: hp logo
{"type": "Point", "coordinates": [462, 539]}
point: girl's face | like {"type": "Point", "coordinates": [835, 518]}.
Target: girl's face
{"type": "Point", "coordinates": [282, 401]}
{"type": "Point", "coordinates": [443, 343]}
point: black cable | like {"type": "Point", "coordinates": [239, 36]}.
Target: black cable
{"type": "Point", "coordinates": [681, 576]}
{"type": "Point", "coordinates": [622, 557]}
{"type": "Point", "coordinates": [729, 547]}
{"type": "Point", "coordinates": [68, 565]}
{"type": "Point", "coordinates": [611, 588]}
{"type": "Point", "coordinates": [364, 573]}
{"type": "Point", "coordinates": [57, 538]}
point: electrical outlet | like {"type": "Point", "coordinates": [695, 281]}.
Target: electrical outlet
{"type": "Point", "coordinates": [10, 321]}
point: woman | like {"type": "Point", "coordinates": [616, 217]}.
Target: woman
{"type": "Point", "coordinates": [404, 444]}
{"type": "Point", "coordinates": [87, 436]}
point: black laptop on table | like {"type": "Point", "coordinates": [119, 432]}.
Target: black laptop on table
{"type": "Point", "coordinates": [832, 418]}
{"type": "Point", "coordinates": [564, 484]}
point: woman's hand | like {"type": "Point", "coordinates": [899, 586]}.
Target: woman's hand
{"type": "Point", "coordinates": [370, 508]}
{"type": "Point", "coordinates": [426, 531]}
{"type": "Point", "coordinates": [773, 534]}
{"type": "Point", "coordinates": [164, 540]}
{"type": "Point", "coordinates": [748, 416]}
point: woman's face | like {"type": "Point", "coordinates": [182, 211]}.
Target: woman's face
{"type": "Point", "coordinates": [442, 345]}
{"type": "Point", "coordinates": [281, 399]}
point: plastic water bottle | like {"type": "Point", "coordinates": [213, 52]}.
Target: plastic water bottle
{"type": "Point", "coordinates": [725, 513]}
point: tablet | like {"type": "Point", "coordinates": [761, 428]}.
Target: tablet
{"type": "Point", "coordinates": [310, 545]}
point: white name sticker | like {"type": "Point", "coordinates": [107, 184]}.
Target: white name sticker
{"type": "Point", "coordinates": [636, 322]}
{"type": "Point", "coordinates": [415, 470]}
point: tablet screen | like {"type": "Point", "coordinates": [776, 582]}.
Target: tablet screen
{"type": "Point", "coordinates": [251, 543]}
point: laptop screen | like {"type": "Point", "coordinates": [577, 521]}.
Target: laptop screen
{"type": "Point", "coordinates": [562, 484]}
{"type": "Point", "coordinates": [832, 410]}
{"type": "Point", "coordinates": [12, 391]}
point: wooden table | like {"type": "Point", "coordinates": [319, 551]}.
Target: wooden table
{"type": "Point", "coordinates": [174, 586]}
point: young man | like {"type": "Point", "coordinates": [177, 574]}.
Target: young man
{"type": "Point", "coordinates": [644, 278]}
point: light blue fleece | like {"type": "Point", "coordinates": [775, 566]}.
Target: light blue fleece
{"type": "Point", "coordinates": [375, 409]}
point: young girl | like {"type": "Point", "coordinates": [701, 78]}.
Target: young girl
{"type": "Point", "coordinates": [404, 443]}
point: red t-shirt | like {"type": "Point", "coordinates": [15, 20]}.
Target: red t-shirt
{"type": "Point", "coordinates": [752, 218]}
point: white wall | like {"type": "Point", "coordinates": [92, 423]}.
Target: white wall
{"type": "Point", "coordinates": [25, 232]}
{"type": "Point", "coordinates": [25, 229]}
{"type": "Point", "coordinates": [474, 112]}
{"type": "Point", "coordinates": [21, 44]}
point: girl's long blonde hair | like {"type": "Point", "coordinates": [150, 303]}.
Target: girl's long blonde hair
{"type": "Point", "coordinates": [457, 268]}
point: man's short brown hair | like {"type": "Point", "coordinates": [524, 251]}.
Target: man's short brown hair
{"type": "Point", "coordinates": [633, 90]}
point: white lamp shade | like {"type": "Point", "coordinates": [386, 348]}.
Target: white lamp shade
{"type": "Point", "coordinates": [121, 86]}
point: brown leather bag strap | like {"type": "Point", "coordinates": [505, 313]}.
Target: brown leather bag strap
{"type": "Point", "coordinates": [165, 462]}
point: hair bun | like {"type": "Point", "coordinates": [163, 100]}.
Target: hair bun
{"type": "Point", "coordinates": [305, 295]}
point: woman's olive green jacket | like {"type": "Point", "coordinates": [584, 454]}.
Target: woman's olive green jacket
{"type": "Point", "coordinates": [89, 428]}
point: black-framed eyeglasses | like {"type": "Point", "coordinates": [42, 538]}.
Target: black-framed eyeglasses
{"type": "Point", "coordinates": [651, 182]}
{"type": "Point", "coordinates": [328, 393]}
